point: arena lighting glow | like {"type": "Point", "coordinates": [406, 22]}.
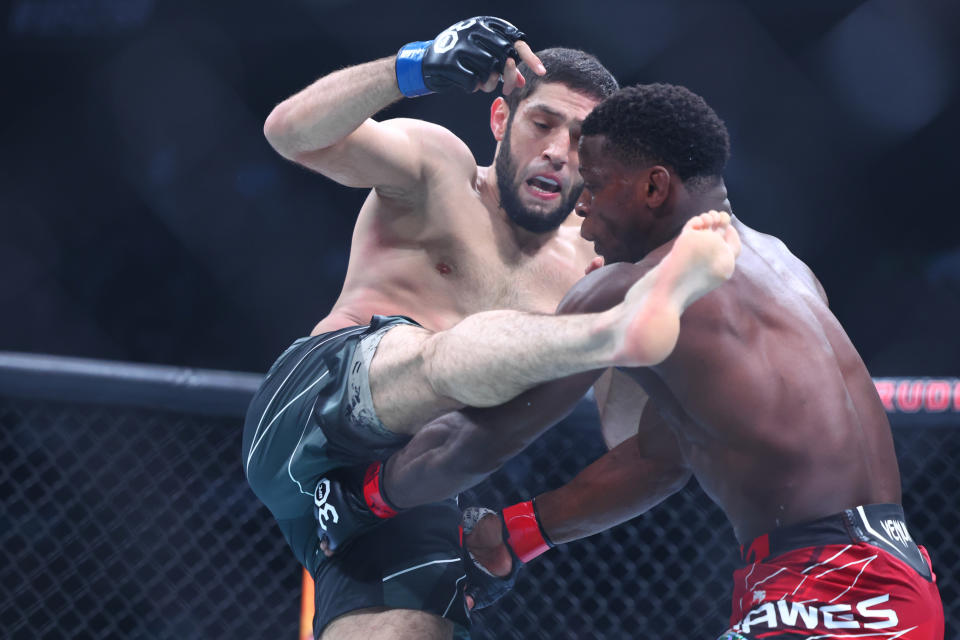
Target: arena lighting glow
{"type": "Point", "coordinates": [896, 90]}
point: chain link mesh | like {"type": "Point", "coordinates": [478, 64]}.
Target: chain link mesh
{"type": "Point", "coordinates": [126, 523]}
{"type": "Point", "coordinates": [123, 523]}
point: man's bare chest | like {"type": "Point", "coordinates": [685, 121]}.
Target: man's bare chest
{"type": "Point", "coordinates": [481, 277]}
{"type": "Point", "coordinates": [460, 257]}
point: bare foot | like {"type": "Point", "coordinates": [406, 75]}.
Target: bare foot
{"type": "Point", "coordinates": [703, 256]}
{"type": "Point", "coordinates": [701, 259]}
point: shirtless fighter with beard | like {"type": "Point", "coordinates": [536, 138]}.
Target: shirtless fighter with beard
{"type": "Point", "coordinates": [439, 242]}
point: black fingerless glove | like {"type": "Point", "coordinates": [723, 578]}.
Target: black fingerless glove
{"type": "Point", "coordinates": [484, 587]}
{"type": "Point", "coordinates": [463, 56]}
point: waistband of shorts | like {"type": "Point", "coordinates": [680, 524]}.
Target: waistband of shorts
{"type": "Point", "coordinates": [848, 526]}
{"type": "Point", "coordinates": [376, 322]}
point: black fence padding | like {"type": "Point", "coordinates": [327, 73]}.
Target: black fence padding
{"type": "Point", "coordinates": [120, 522]}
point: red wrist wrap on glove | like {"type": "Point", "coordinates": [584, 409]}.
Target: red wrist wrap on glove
{"type": "Point", "coordinates": [373, 494]}
{"type": "Point", "coordinates": [526, 538]}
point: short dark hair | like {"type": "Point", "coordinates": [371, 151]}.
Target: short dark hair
{"type": "Point", "coordinates": [576, 69]}
{"type": "Point", "coordinates": [662, 123]}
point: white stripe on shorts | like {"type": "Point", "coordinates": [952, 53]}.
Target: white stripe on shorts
{"type": "Point", "coordinates": [420, 566]}
{"type": "Point", "coordinates": [257, 440]}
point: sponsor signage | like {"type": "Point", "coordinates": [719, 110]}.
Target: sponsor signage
{"type": "Point", "coordinates": [920, 400]}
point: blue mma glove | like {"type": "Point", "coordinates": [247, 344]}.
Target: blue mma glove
{"type": "Point", "coordinates": [463, 56]}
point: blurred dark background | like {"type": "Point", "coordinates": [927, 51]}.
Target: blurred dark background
{"type": "Point", "coordinates": [145, 218]}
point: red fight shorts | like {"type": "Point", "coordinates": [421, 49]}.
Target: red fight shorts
{"type": "Point", "coordinates": [859, 575]}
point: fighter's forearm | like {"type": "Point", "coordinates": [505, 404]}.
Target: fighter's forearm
{"type": "Point", "coordinates": [327, 111]}
{"type": "Point", "coordinates": [617, 487]}
{"type": "Point", "coordinates": [460, 449]}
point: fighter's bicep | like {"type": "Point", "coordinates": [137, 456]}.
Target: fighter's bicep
{"type": "Point", "coordinates": [374, 154]}
{"type": "Point", "coordinates": [657, 440]}
{"type": "Point", "coordinates": [396, 157]}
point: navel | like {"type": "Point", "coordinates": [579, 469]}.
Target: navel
{"type": "Point", "coordinates": [443, 268]}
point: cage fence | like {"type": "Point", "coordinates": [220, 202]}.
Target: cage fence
{"type": "Point", "coordinates": [126, 515]}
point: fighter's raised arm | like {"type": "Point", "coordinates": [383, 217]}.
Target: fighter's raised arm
{"type": "Point", "coordinates": [441, 242]}
{"type": "Point", "coordinates": [328, 126]}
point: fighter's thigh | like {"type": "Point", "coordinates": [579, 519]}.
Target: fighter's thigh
{"type": "Point", "coordinates": [403, 396]}
{"type": "Point", "coordinates": [388, 624]}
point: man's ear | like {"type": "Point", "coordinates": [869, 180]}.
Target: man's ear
{"type": "Point", "coordinates": [499, 114]}
{"type": "Point", "coordinates": [657, 186]}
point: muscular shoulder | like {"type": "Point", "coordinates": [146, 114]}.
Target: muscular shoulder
{"type": "Point", "coordinates": [441, 149]}
{"type": "Point", "coordinates": [774, 250]}
{"type": "Point", "coordinates": [720, 311]}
